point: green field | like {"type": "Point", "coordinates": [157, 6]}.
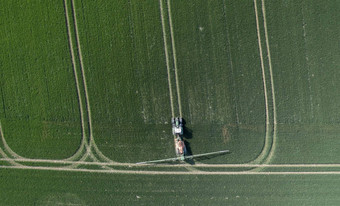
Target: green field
{"type": "Point", "coordinates": [94, 189]}
{"type": "Point", "coordinates": [88, 88]}
{"type": "Point", "coordinates": [39, 109]}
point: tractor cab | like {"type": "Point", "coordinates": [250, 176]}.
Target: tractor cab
{"type": "Point", "coordinates": [177, 126]}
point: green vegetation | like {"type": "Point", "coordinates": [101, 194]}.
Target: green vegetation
{"type": "Point", "coordinates": [220, 76]}
{"type": "Point", "coordinates": [39, 109]}
{"type": "Point", "coordinates": [128, 82]}
{"type": "Point", "coordinates": [111, 74]}
{"type": "Point", "coordinates": [101, 189]}
{"type": "Point", "coordinates": [305, 55]}
{"type": "Point", "coordinates": [127, 78]}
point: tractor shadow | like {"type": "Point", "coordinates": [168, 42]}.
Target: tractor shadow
{"type": "Point", "coordinates": [189, 152]}
{"type": "Point", "coordinates": [187, 133]}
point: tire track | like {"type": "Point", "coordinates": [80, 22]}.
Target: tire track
{"type": "Point", "coordinates": [6, 146]}
{"type": "Point", "coordinates": [9, 160]}
{"type": "Point", "coordinates": [83, 144]}
{"type": "Point", "coordinates": [269, 148]}
{"type": "Point", "coordinates": [175, 64]}
{"type": "Point", "coordinates": [167, 61]}
{"type": "Point", "coordinates": [267, 145]}
{"type": "Point", "coordinates": [167, 172]}
{"type": "Point", "coordinates": [174, 58]}
{"type": "Point", "coordinates": [300, 165]}
{"type": "Point", "coordinates": [3, 153]}
{"type": "Point", "coordinates": [92, 143]}
{"type": "Point", "coordinates": [272, 151]}
{"type": "Point", "coordinates": [262, 62]}
{"type": "Point", "coordinates": [269, 61]}
{"type": "Point", "coordinates": [87, 153]}
{"type": "Point", "coordinates": [167, 57]}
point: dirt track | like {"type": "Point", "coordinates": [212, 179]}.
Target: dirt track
{"type": "Point", "coordinates": [169, 172]}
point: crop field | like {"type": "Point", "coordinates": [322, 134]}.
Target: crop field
{"type": "Point", "coordinates": [88, 89]}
